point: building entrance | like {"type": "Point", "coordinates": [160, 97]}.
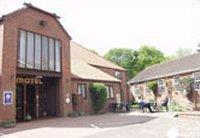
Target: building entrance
{"type": "Point", "coordinates": [36, 98]}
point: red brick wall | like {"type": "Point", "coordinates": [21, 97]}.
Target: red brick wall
{"type": "Point", "coordinates": [29, 20]}
{"type": "Point", "coordinates": [124, 86]}
{"type": "Point", "coordinates": [85, 104]}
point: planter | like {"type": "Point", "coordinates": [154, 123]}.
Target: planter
{"type": "Point", "coordinates": [8, 124]}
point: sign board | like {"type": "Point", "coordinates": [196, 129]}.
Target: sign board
{"type": "Point", "coordinates": [7, 98]}
{"type": "Point", "coordinates": [67, 100]}
{"type": "Point", "coordinates": [21, 80]}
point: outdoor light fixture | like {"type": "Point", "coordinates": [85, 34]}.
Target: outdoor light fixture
{"type": "Point", "coordinates": [43, 23]}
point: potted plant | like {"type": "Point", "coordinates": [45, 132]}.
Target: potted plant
{"type": "Point", "coordinates": [28, 117]}
{"type": "Point", "coordinates": [8, 124]}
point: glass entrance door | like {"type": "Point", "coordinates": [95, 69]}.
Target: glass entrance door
{"type": "Point", "coordinates": [30, 100]}
{"type": "Point", "coordinates": [25, 102]}
{"type": "Point", "coordinates": [20, 103]}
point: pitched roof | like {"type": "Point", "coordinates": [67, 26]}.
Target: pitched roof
{"type": "Point", "coordinates": [82, 70]}
{"type": "Point", "coordinates": [80, 53]}
{"type": "Point", "coordinates": [183, 65]}
{"type": "Point", "coordinates": [27, 6]}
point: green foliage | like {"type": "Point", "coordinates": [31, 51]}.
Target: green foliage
{"type": "Point", "coordinates": [126, 58]}
{"type": "Point", "coordinates": [9, 123]}
{"type": "Point", "coordinates": [149, 56]}
{"type": "Point", "coordinates": [135, 61]}
{"type": "Point", "coordinates": [175, 106]}
{"type": "Point", "coordinates": [153, 85]}
{"type": "Point", "coordinates": [95, 52]}
{"type": "Point", "coordinates": [98, 96]}
{"type": "Point", "coordinates": [181, 52]}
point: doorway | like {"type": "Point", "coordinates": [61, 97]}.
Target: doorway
{"type": "Point", "coordinates": [37, 100]}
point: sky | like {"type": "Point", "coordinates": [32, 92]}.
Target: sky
{"type": "Point", "coordinates": [101, 25]}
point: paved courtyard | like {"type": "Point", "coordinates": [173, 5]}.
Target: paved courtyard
{"type": "Point", "coordinates": [107, 126]}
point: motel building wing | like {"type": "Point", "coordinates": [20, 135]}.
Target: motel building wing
{"type": "Point", "coordinates": [41, 70]}
{"type": "Point", "coordinates": [34, 65]}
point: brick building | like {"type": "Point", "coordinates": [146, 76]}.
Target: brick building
{"type": "Point", "coordinates": [35, 67]}
{"type": "Point", "coordinates": [178, 78]}
{"type": "Point", "coordinates": [87, 67]}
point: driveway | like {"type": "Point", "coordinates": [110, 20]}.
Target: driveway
{"type": "Point", "coordinates": [107, 126]}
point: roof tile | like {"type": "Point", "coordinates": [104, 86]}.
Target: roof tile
{"type": "Point", "coordinates": [186, 64]}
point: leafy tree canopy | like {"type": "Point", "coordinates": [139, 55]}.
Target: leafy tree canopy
{"type": "Point", "coordinates": [181, 52]}
{"type": "Point", "coordinates": [126, 58]}
{"type": "Point", "coordinates": [149, 56]}
{"type": "Point", "coordinates": [135, 61]}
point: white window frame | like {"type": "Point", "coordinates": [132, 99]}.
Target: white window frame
{"type": "Point", "coordinates": [81, 89]}
{"type": "Point", "coordinates": [161, 85]}
{"type": "Point", "coordinates": [118, 74]}
{"type": "Point", "coordinates": [110, 91]}
{"type": "Point", "coordinates": [176, 83]}
{"type": "Point", "coordinates": [196, 77]}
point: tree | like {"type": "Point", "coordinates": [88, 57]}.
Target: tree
{"type": "Point", "coordinates": [94, 51]}
{"type": "Point", "coordinates": [149, 56]}
{"type": "Point", "coordinates": [126, 58]}
{"type": "Point", "coordinates": [181, 52]}
{"type": "Point", "coordinates": [135, 61]}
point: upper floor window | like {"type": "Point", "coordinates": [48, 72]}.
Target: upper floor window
{"type": "Point", "coordinates": [117, 74]}
{"type": "Point", "coordinates": [110, 92]}
{"type": "Point", "coordinates": [161, 85]}
{"type": "Point", "coordinates": [39, 52]}
{"type": "Point", "coordinates": [82, 90]}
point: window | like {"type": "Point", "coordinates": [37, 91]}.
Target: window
{"type": "Point", "coordinates": [176, 80]}
{"type": "Point", "coordinates": [51, 54]}
{"type": "Point", "coordinates": [161, 85]}
{"type": "Point", "coordinates": [57, 49]}
{"type": "Point", "coordinates": [197, 86]}
{"type": "Point", "coordinates": [197, 81]}
{"type": "Point", "coordinates": [176, 83]}
{"type": "Point", "coordinates": [39, 52]}
{"type": "Point", "coordinates": [196, 77]}
{"type": "Point", "coordinates": [82, 90]}
{"type": "Point", "coordinates": [136, 90]}
{"type": "Point", "coordinates": [109, 91]}
{"type": "Point", "coordinates": [22, 49]}
{"type": "Point", "coordinates": [44, 53]}
{"type": "Point", "coordinates": [30, 42]}
{"type": "Point", "coordinates": [117, 74]}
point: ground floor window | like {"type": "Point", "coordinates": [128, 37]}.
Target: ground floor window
{"type": "Point", "coordinates": [82, 90]}
{"type": "Point", "coordinates": [197, 86]}
{"type": "Point", "coordinates": [161, 85]}
{"type": "Point", "coordinates": [110, 92]}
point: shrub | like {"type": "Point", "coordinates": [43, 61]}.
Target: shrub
{"type": "Point", "coordinates": [98, 96]}
{"type": "Point", "coordinates": [153, 85]}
